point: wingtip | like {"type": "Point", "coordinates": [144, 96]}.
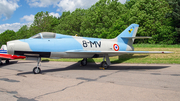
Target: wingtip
{"type": "Point", "coordinates": [167, 52]}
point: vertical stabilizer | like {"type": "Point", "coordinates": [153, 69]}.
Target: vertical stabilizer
{"type": "Point", "coordinates": [126, 38]}
{"type": "Point", "coordinates": [128, 34]}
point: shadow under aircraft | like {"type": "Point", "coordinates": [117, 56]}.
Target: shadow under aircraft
{"type": "Point", "coordinates": [93, 66]}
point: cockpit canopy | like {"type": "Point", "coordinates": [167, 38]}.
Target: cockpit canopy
{"type": "Point", "coordinates": [44, 35]}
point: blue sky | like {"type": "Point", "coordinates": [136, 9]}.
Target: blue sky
{"type": "Point", "coordinates": [16, 13]}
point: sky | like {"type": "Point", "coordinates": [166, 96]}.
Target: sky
{"type": "Point", "coordinates": [16, 13]}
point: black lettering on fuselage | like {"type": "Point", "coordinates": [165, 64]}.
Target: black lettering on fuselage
{"type": "Point", "coordinates": [99, 44]}
{"type": "Point", "coordinates": [84, 43]}
{"type": "Point", "coordinates": [91, 44]}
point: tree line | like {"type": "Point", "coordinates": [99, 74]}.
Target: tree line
{"type": "Point", "coordinates": [159, 19]}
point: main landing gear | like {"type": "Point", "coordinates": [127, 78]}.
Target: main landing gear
{"type": "Point", "coordinates": [37, 70]}
{"type": "Point", "coordinates": [104, 64]}
{"type": "Point", "coordinates": [84, 62]}
{"type": "Point", "coordinates": [107, 63]}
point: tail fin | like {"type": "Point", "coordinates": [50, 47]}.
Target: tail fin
{"type": "Point", "coordinates": [3, 47]}
{"type": "Point", "coordinates": [128, 36]}
{"type": "Point", "coordinates": [128, 33]}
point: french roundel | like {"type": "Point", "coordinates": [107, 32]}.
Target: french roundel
{"type": "Point", "coordinates": [116, 47]}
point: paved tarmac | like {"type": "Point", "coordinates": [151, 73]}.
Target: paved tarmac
{"type": "Point", "coordinates": [68, 81]}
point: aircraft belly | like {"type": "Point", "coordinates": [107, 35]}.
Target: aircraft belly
{"type": "Point", "coordinates": [56, 55]}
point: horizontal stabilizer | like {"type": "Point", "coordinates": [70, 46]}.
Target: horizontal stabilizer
{"type": "Point", "coordinates": [141, 37]}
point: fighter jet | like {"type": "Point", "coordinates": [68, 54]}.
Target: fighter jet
{"type": "Point", "coordinates": [53, 45]}
{"type": "Point", "coordinates": [7, 57]}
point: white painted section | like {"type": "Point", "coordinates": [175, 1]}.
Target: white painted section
{"type": "Point", "coordinates": [105, 44]}
{"type": "Point", "coordinates": [134, 33]}
{"type": "Point", "coordinates": [17, 45]}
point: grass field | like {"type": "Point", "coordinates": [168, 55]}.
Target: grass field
{"type": "Point", "coordinates": [173, 58]}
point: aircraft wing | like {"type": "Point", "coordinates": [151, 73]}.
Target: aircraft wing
{"type": "Point", "coordinates": [8, 56]}
{"type": "Point", "coordinates": [118, 52]}
{"type": "Point", "coordinates": [5, 56]}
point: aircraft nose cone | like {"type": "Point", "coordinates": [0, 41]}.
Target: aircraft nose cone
{"type": "Point", "coordinates": [10, 46]}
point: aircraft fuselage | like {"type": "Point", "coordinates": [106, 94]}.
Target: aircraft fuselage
{"type": "Point", "coordinates": [57, 48]}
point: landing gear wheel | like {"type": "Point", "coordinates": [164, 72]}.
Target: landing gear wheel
{"type": "Point", "coordinates": [36, 70]}
{"type": "Point", "coordinates": [84, 62]}
{"type": "Point", "coordinates": [1, 63]}
{"type": "Point", "coordinates": [104, 64]}
{"type": "Point", "coordinates": [7, 61]}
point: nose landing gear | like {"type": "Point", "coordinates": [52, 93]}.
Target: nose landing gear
{"type": "Point", "coordinates": [37, 70]}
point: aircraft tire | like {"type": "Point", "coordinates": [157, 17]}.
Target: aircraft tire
{"type": "Point", "coordinates": [36, 70]}
{"type": "Point", "coordinates": [84, 62]}
{"type": "Point", "coordinates": [1, 63]}
{"type": "Point", "coordinates": [104, 64]}
{"type": "Point", "coordinates": [7, 61]}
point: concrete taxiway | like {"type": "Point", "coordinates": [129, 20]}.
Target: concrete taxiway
{"type": "Point", "coordinates": [68, 81]}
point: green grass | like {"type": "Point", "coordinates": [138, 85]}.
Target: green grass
{"type": "Point", "coordinates": [173, 58]}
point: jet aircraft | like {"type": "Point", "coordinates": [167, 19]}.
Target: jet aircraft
{"type": "Point", "coordinates": [53, 45]}
{"type": "Point", "coordinates": [7, 57]}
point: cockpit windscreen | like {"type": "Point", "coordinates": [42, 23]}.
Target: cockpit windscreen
{"type": "Point", "coordinates": [44, 35]}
